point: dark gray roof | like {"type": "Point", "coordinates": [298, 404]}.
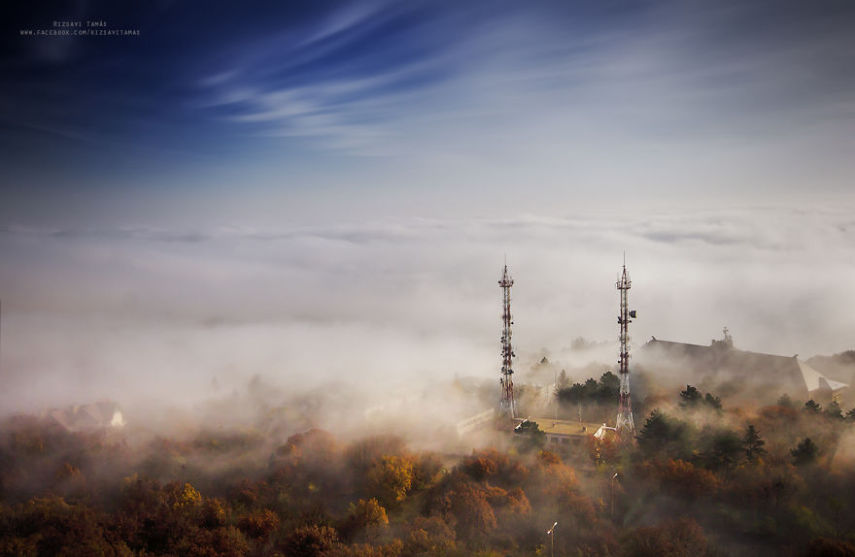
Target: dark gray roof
{"type": "Point", "coordinates": [721, 362]}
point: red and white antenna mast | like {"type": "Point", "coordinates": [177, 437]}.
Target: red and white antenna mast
{"type": "Point", "coordinates": [624, 417]}
{"type": "Point", "coordinates": [507, 402]}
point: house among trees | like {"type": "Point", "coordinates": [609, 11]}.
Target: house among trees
{"type": "Point", "coordinates": [571, 433]}
{"type": "Point", "coordinates": [87, 417]}
{"type": "Point", "coordinates": [738, 373]}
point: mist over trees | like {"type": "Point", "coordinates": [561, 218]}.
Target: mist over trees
{"type": "Point", "coordinates": [696, 479]}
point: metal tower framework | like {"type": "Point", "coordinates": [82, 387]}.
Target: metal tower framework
{"type": "Point", "coordinates": [507, 402]}
{"type": "Point", "coordinates": [624, 417]}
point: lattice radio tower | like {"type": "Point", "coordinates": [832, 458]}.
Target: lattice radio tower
{"type": "Point", "coordinates": [507, 402]}
{"type": "Point", "coordinates": [624, 417]}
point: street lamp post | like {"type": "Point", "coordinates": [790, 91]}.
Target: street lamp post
{"type": "Point", "coordinates": [612, 483]}
{"type": "Point", "coordinates": [551, 534]}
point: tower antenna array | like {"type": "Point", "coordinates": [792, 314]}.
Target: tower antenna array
{"type": "Point", "coordinates": [624, 417]}
{"type": "Point", "coordinates": [507, 402]}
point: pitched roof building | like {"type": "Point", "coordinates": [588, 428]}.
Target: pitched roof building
{"type": "Point", "coordinates": [87, 417]}
{"type": "Point", "coordinates": [569, 432]}
{"type": "Point", "coordinates": [740, 373]}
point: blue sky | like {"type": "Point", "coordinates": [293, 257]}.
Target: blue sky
{"type": "Point", "coordinates": [220, 108]}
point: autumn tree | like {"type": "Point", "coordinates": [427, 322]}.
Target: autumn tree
{"type": "Point", "coordinates": [365, 453]}
{"type": "Point", "coordinates": [429, 536]}
{"type": "Point", "coordinates": [315, 446]}
{"type": "Point", "coordinates": [310, 541]}
{"type": "Point", "coordinates": [671, 539]}
{"type": "Point", "coordinates": [213, 512]}
{"type": "Point", "coordinates": [480, 465]}
{"type": "Point", "coordinates": [390, 479]}
{"type": "Point", "coordinates": [684, 479]}
{"type": "Point", "coordinates": [391, 549]}
{"type": "Point", "coordinates": [552, 477]}
{"type": "Point", "coordinates": [472, 512]}
{"type": "Point", "coordinates": [259, 524]}
{"type": "Point", "coordinates": [185, 497]}
{"type": "Point", "coordinates": [825, 547]}
{"type": "Point", "coordinates": [226, 541]}
{"type": "Point", "coordinates": [366, 518]}
{"type": "Point", "coordinates": [52, 526]}
{"type": "Point", "coordinates": [427, 470]}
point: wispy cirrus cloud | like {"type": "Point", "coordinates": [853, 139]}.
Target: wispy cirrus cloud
{"type": "Point", "coordinates": [650, 72]}
{"type": "Point", "coordinates": [673, 98]}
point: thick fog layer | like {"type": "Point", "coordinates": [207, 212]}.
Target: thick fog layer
{"type": "Point", "coordinates": [183, 315]}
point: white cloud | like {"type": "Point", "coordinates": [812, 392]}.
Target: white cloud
{"type": "Point", "coordinates": [97, 313]}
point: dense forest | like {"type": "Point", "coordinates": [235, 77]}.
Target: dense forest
{"type": "Point", "coordinates": [698, 478]}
